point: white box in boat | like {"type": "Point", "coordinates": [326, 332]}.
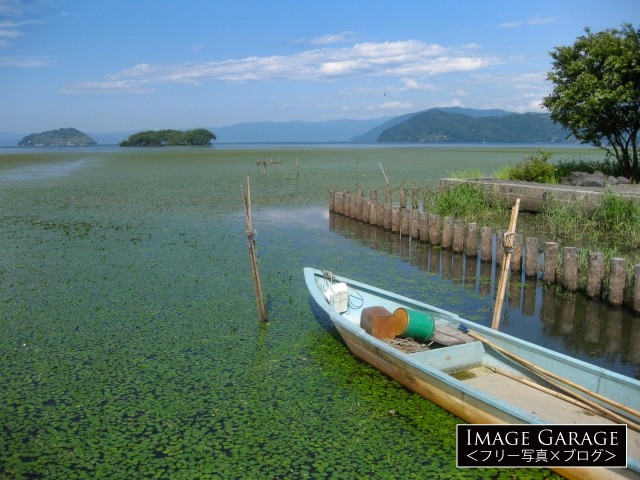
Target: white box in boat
{"type": "Point", "coordinates": [338, 296]}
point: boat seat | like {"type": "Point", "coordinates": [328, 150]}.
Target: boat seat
{"type": "Point", "coordinates": [447, 335]}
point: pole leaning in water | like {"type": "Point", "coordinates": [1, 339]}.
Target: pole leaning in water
{"type": "Point", "coordinates": [253, 256]}
{"type": "Point", "coordinates": [508, 248]}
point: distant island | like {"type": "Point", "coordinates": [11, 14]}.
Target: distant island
{"type": "Point", "coordinates": [63, 137]}
{"type": "Point", "coordinates": [170, 138]}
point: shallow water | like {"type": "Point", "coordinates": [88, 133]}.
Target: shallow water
{"type": "Point", "coordinates": [131, 346]}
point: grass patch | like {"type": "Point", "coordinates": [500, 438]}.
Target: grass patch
{"type": "Point", "coordinates": [615, 222]}
{"type": "Point", "coordinates": [534, 168]}
{"type": "Point", "coordinates": [469, 202]}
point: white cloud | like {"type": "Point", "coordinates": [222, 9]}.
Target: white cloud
{"type": "Point", "coordinates": [396, 106]}
{"type": "Point", "coordinates": [15, 15]}
{"type": "Point", "coordinates": [535, 21]}
{"type": "Point", "coordinates": [33, 61]}
{"type": "Point", "coordinates": [385, 59]}
{"type": "Point", "coordinates": [329, 39]}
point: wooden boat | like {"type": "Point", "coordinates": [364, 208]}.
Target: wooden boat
{"type": "Point", "coordinates": [479, 374]}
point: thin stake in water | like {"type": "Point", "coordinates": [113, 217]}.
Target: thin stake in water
{"type": "Point", "coordinates": [508, 248]}
{"type": "Point", "coordinates": [253, 256]}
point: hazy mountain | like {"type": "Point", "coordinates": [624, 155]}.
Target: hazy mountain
{"type": "Point", "coordinates": [294, 131]}
{"type": "Point", "coordinates": [372, 135]}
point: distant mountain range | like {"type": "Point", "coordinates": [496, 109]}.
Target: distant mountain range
{"type": "Point", "coordinates": [442, 126]}
{"type": "Point", "coordinates": [436, 125]}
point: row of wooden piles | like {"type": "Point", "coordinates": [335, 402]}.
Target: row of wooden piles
{"type": "Point", "coordinates": [545, 261]}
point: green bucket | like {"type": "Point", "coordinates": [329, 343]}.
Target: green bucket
{"type": "Point", "coordinates": [419, 325]}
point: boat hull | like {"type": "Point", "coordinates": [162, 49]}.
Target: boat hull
{"type": "Point", "coordinates": [457, 397]}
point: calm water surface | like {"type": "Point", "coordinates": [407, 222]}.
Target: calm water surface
{"type": "Point", "coordinates": [131, 347]}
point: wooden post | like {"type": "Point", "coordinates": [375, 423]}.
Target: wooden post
{"type": "Point", "coordinates": [395, 219]}
{"type": "Point", "coordinates": [353, 213]}
{"type": "Point", "coordinates": [414, 198]}
{"type": "Point", "coordinates": [347, 205]}
{"type": "Point", "coordinates": [617, 279]}
{"type": "Point", "coordinates": [486, 244]}
{"type": "Point", "coordinates": [404, 221]}
{"type": "Point", "coordinates": [447, 232]}
{"type": "Point", "coordinates": [516, 255]}
{"type": "Point", "coordinates": [457, 242]}
{"type": "Point", "coordinates": [500, 252]}
{"type": "Point", "coordinates": [414, 218]}
{"type": "Point", "coordinates": [403, 198]}
{"type": "Point", "coordinates": [373, 212]}
{"type": "Point", "coordinates": [366, 210]}
{"type": "Point", "coordinates": [502, 285]}
{"type": "Point", "coordinates": [424, 227]}
{"type": "Point", "coordinates": [595, 275]}
{"type": "Point", "coordinates": [253, 256]}
{"type": "Point", "coordinates": [388, 216]}
{"type": "Point", "coordinates": [359, 207]}
{"type": "Point", "coordinates": [380, 215]}
{"type": "Point", "coordinates": [388, 197]}
{"type": "Point", "coordinates": [550, 263]}
{"type": "Point", "coordinates": [340, 203]}
{"type": "Point", "coordinates": [435, 234]}
{"type": "Point", "coordinates": [471, 247]}
{"type": "Point", "coordinates": [570, 268]}
{"type": "Point", "coordinates": [532, 247]}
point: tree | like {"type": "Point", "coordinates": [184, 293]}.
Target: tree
{"type": "Point", "coordinates": [162, 138]}
{"type": "Point", "coordinates": [597, 92]}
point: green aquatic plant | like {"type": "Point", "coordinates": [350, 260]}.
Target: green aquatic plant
{"type": "Point", "coordinates": [130, 343]}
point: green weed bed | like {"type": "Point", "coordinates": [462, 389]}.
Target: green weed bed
{"type": "Point", "coordinates": [130, 343]}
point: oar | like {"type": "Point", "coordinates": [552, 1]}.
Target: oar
{"type": "Point", "coordinates": [508, 247]}
{"type": "Point", "coordinates": [547, 373]}
{"type": "Point", "coordinates": [575, 400]}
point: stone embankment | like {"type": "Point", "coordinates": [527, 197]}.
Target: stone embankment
{"type": "Point", "coordinates": [587, 190]}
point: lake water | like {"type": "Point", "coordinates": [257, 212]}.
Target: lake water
{"type": "Point", "coordinates": [131, 346]}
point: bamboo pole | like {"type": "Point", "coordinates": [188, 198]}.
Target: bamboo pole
{"type": "Point", "coordinates": [546, 373]}
{"type": "Point", "coordinates": [575, 400]}
{"type": "Point", "coordinates": [385, 175]}
{"type": "Point", "coordinates": [253, 256]}
{"type": "Point", "coordinates": [502, 285]}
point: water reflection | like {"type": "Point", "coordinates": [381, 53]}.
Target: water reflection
{"type": "Point", "coordinates": [570, 323]}
{"type": "Point", "coordinates": [43, 171]}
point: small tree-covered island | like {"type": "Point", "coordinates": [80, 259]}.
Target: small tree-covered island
{"type": "Point", "coordinates": [169, 138]}
{"type": "Point", "coordinates": [57, 138]}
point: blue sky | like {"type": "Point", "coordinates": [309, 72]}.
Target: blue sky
{"type": "Point", "coordinates": [116, 65]}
